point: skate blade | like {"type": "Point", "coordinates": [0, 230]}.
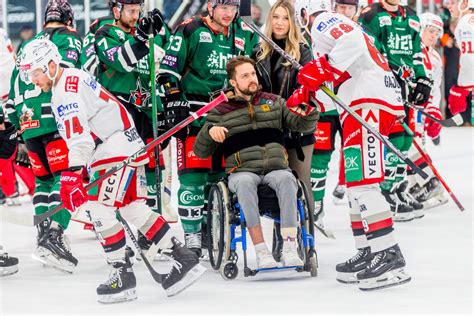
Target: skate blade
{"type": "Point", "coordinates": [347, 278]}
{"type": "Point", "coordinates": [51, 261]}
{"type": "Point", "coordinates": [337, 201]}
{"type": "Point", "coordinates": [403, 218]}
{"type": "Point", "coordinates": [418, 214]}
{"type": "Point", "coordinates": [125, 296]}
{"type": "Point", "coordinates": [189, 279]}
{"type": "Point", "coordinates": [434, 202]}
{"type": "Point", "coordinates": [4, 271]}
{"type": "Point", "coordinates": [389, 279]}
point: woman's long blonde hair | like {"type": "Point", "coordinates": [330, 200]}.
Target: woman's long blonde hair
{"type": "Point", "coordinates": [293, 40]}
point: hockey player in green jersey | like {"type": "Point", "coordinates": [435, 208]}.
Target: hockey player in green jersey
{"type": "Point", "coordinates": [396, 30]}
{"type": "Point", "coordinates": [193, 68]}
{"type": "Point", "coordinates": [124, 70]}
{"type": "Point", "coordinates": [29, 109]}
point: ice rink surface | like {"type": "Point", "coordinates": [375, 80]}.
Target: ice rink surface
{"type": "Point", "coordinates": [438, 249]}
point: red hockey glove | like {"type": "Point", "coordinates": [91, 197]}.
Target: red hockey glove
{"type": "Point", "coordinates": [457, 99]}
{"type": "Point", "coordinates": [73, 194]}
{"type": "Point", "coordinates": [433, 128]}
{"type": "Point", "coordinates": [315, 73]}
{"type": "Point", "coordinates": [298, 102]}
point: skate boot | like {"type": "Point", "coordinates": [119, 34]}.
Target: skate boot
{"type": "Point", "coordinates": [13, 200]}
{"type": "Point", "coordinates": [338, 194]}
{"type": "Point", "coordinates": [401, 212]}
{"type": "Point", "coordinates": [185, 271]}
{"type": "Point", "coordinates": [53, 250]}
{"type": "Point", "coordinates": [120, 286]}
{"type": "Point", "coordinates": [346, 272]}
{"type": "Point", "coordinates": [406, 198]}
{"type": "Point", "coordinates": [143, 242]}
{"type": "Point", "coordinates": [193, 242]}
{"type": "Point", "coordinates": [431, 194]}
{"type": "Point", "coordinates": [385, 270]}
{"type": "Point", "coordinates": [8, 265]}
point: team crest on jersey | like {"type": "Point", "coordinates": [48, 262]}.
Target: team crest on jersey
{"type": "Point", "coordinates": [240, 43]}
{"type": "Point", "coordinates": [26, 119]}
{"type": "Point", "coordinates": [139, 96]}
{"type": "Point", "coordinates": [120, 34]}
{"type": "Point", "coordinates": [205, 37]}
{"type": "Point", "coordinates": [385, 20]}
{"type": "Point", "coordinates": [414, 24]}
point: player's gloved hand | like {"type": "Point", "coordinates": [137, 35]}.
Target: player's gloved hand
{"type": "Point", "coordinates": [8, 141]}
{"type": "Point", "coordinates": [176, 110]}
{"type": "Point", "coordinates": [433, 128]}
{"type": "Point", "coordinates": [421, 93]}
{"type": "Point", "coordinates": [457, 100]}
{"type": "Point", "coordinates": [157, 19]}
{"type": "Point", "coordinates": [72, 192]}
{"type": "Point", "coordinates": [315, 73]}
{"type": "Point", "coordinates": [143, 29]}
{"type": "Point", "coordinates": [298, 102]}
{"type": "Point", "coordinates": [22, 158]}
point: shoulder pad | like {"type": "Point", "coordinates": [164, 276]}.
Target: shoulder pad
{"type": "Point", "coordinates": [99, 22]}
{"type": "Point", "coordinates": [64, 30]}
{"type": "Point", "coordinates": [371, 11]}
{"type": "Point", "coordinates": [103, 31]}
{"type": "Point", "coordinates": [189, 26]}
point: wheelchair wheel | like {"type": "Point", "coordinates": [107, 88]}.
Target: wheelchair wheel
{"type": "Point", "coordinates": [229, 271]}
{"type": "Point", "coordinates": [218, 225]}
{"type": "Point", "coordinates": [311, 258]}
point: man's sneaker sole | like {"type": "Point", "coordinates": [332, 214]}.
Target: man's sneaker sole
{"type": "Point", "coordinates": [47, 258]}
{"type": "Point", "coordinates": [4, 271]}
{"type": "Point", "coordinates": [189, 279]}
{"type": "Point", "coordinates": [124, 296]}
{"type": "Point", "coordinates": [388, 279]}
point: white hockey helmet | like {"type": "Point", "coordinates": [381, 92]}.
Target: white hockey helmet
{"type": "Point", "coordinates": [36, 55]}
{"type": "Point", "coordinates": [430, 19]}
{"type": "Point", "coordinates": [305, 8]}
{"type": "Point", "coordinates": [470, 5]}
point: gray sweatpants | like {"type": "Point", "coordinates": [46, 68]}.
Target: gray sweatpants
{"type": "Point", "coordinates": [245, 184]}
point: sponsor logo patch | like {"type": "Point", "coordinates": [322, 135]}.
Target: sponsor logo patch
{"type": "Point", "coordinates": [385, 20]}
{"type": "Point", "coordinates": [414, 24]}
{"type": "Point", "coordinates": [205, 37]}
{"type": "Point", "coordinates": [72, 54]}
{"type": "Point", "coordinates": [72, 83]}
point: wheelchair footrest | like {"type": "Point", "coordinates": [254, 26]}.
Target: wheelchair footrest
{"type": "Point", "coordinates": [251, 272]}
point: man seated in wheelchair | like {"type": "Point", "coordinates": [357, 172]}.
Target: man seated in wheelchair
{"type": "Point", "coordinates": [249, 127]}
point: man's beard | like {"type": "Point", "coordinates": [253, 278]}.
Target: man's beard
{"type": "Point", "coordinates": [127, 24]}
{"type": "Point", "coordinates": [249, 92]}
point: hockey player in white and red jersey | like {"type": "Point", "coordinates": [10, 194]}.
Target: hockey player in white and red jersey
{"type": "Point", "coordinates": [428, 191]}
{"type": "Point", "coordinates": [461, 94]}
{"type": "Point", "coordinates": [100, 133]}
{"type": "Point", "coordinates": [361, 77]}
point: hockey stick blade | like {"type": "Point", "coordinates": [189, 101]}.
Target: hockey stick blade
{"type": "Point", "coordinates": [158, 277]}
{"type": "Point", "coordinates": [248, 20]}
{"type": "Point", "coordinates": [456, 120]}
{"type": "Point", "coordinates": [206, 108]}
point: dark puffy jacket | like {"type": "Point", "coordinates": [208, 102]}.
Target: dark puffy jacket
{"type": "Point", "coordinates": [255, 137]}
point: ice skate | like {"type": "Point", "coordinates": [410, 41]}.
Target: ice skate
{"type": "Point", "coordinates": [406, 198]}
{"type": "Point", "coordinates": [8, 265]}
{"type": "Point", "coordinates": [385, 270]}
{"type": "Point", "coordinates": [120, 286]}
{"type": "Point", "coordinates": [193, 242]}
{"type": "Point", "coordinates": [185, 271]}
{"type": "Point", "coordinates": [338, 194]}
{"type": "Point", "coordinates": [401, 212]}
{"type": "Point", "coordinates": [346, 272]}
{"type": "Point", "coordinates": [53, 250]}
{"type": "Point", "coordinates": [13, 200]}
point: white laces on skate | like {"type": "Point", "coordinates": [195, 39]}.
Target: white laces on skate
{"type": "Point", "coordinates": [357, 256]}
{"type": "Point", "coordinates": [376, 260]}
{"type": "Point", "coordinates": [176, 265]}
{"type": "Point", "coordinates": [115, 277]}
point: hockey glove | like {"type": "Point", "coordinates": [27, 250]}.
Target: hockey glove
{"type": "Point", "coordinates": [157, 19]}
{"type": "Point", "coordinates": [457, 100]}
{"type": "Point", "coordinates": [73, 194]}
{"type": "Point", "coordinates": [315, 73]}
{"type": "Point", "coordinates": [22, 158]}
{"type": "Point", "coordinates": [421, 93]}
{"type": "Point", "coordinates": [298, 102]}
{"type": "Point", "coordinates": [8, 141]}
{"type": "Point", "coordinates": [433, 128]}
{"type": "Point", "coordinates": [143, 29]}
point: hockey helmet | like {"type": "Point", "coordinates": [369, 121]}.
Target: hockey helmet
{"type": "Point", "coordinates": [403, 3]}
{"type": "Point", "coordinates": [36, 55]}
{"type": "Point", "coordinates": [348, 2]}
{"type": "Point", "coordinates": [215, 3]}
{"type": "Point", "coordinates": [305, 8]}
{"type": "Point", "coordinates": [430, 19]}
{"type": "Point", "coordinates": [470, 5]}
{"type": "Point", "coordinates": [58, 11]}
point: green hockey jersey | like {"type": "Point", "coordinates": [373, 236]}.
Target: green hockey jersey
{"type": "Point", "coordinates": [29, 108]}
{"type": "Point", "coordinates": [197, 56]}
{"type": "Point", "coordinates": [397, 36]}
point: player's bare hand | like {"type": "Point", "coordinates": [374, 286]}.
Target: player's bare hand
{"type": "Point", "coordinates": [217, 133]}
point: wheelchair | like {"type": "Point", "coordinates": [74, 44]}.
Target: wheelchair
{"type": "Point", "coordinates": [224, 216]}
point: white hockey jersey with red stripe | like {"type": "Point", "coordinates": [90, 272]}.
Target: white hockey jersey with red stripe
{"type": "Point", "coordinates": [7, 63]}
{"type": "Point", "coordinates": [85, 111]}
{"type": "Point", "coordinates": [464, 35]}
{"type": "Point", "coordinates": [363, 78]}
{"type": "Point", "coordinates": [434, 70]}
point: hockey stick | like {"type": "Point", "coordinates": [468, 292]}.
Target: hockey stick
{"type": "Point", "coordinates": [158, 277]}
{"type": "Point", "coordinates": [456, 120]}
{"type": "Point", "coordinates": [445, 185]}
{"type": "Point", "coordinates": [21, 219]}
{"type": "Point", "coordinates": [245, 15]}
{"type": "Point", "coordinates": [154, 114]}
{"type": "Point", "coordinates": [326, 232]}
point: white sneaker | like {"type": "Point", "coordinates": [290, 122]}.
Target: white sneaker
{"type": "Point", "coordinates": [265, 259]}
{"type": "Point", "coordinates": [289, 255]}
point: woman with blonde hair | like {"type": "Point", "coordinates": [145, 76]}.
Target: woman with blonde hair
{"type": "Point", "coordinates": [277, 76]}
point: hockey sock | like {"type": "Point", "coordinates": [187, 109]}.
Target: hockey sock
{"type": "Point", "coordinates": [191, 201]}
{"type": "Point", "coordinates": [46, 196]}
{"type": "Point", "coordinates": [319, 169]}
{"type": "Point", "coordinates": [356, 222]}
{"type": "Point", "coordinates": [391, 163]}
{"type": "Point", "coordinates": [401, 172]}
{"type": "Point", "coordinates": [63, 217]}
{"type": "Point", "coordinates": [152, 200]}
